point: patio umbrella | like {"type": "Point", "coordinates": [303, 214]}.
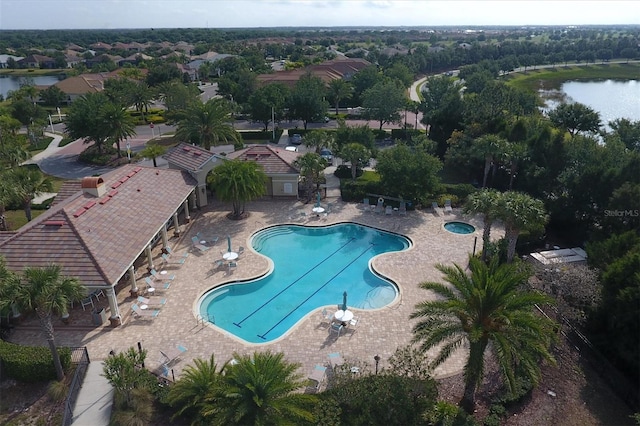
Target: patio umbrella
{"type": "Point", "coordinates": [317, 199]}
{"type": "Point", "coordinates": [228, 243]}
{"type": "Point", "coordinates": [344, 301]}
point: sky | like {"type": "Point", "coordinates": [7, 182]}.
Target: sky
{"type": "Point", "coordinates": [115, 14]}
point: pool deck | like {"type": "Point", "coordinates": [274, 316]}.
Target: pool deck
{"type": "Point", "coordinates": [379, 332]}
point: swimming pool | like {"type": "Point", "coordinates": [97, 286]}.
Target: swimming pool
{"type": "Point", "coordinates": [459, 228]}
{"type": "Point", "coordinates": [312, 267]}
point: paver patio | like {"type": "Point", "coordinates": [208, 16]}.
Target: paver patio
{"type": "Point", "coordinates": [309, 342]}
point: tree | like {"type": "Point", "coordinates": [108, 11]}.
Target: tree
{"type": "Point", "coordinates": [409, 173]}
{"type": "Point", "coordinates": [268, 102]}
{"type": "Point", "coordinates": [383, 102]}
{"type": "Point", "coordinates": [489, 148]}
{"type": "Point", "coordinates": [486, 203]}
{"type": "Point", "coordinates": [153, 151]}
{"type": "Point", "coordinates": [162, 73]}
{"type": "Point", "coordinates": [262, 389]}
{"type": "Point", "coordinates": [83, 119]}
{"type": "Point", "coordinates": [311, 166]}
{"type": "Point", "coordinates": [356, 154]}
{"type": "Point", "coordinates": [318, 139]}
{"type": "Point", "coordinates": [575, 118]}
{"type": "Point", "coordinates": [238, 182]}
{"type": "Point", "coordinates": [442, 110]}
{"type": "Point", "coordinates": [118, 124]}
{"type": "Point", "coordinates": [140, 98]}
{"type": "Point", "coordinates": [519, 212]}
{"type": "Point", "coordinates": [27, 183]}
{"type": "Point", "coordinates": [338, 90]}
{"type": "Point", "coordinates": [208, 124]}
{"type": "Point", "coordinates": [177, 98]}
{"type": "Point", "coordinates": [365, 79]}
{"type": "Point", "coordinates": [196, 389]}
{"type": "Point", "coordinates": [482, 308]}
{"type": "Point", "coordinates": [45, 291]}
{"type": "Point", "coordinates": [53, 96]}
{"type": "Point", "coordinates": [307, 99]}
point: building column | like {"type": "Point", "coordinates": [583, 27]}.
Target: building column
{"type": "Point", "coordinates": [176, 225]}
{"type": "Point", "coordinates": [165, 239]}
{"type": "Point", "coordinates": [132, 280]}
{"type": "Point", "coordinates": [187, 218]}
{"type": "Point", "coordinates": [149, 257]}
{"type": "Point", "coordinates": [115, 318]}
{"type": "Point", "coordinates": [192, 198]}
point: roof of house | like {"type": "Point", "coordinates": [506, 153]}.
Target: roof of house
{"type": "Point", "coordinates": [189, 157]}
{"type": "Point", "coordinates": [97, 238]}
{"type": "Point", "coordinates": [36, 58]}
{"type": "Point", "coordinates": [81, 84]}
{"type": "Point", "coordinates": [274, 161]}
{"type": "Point", "coordinates": [67, 189]}
{"type": "Point", "coordinates": [326, 71]}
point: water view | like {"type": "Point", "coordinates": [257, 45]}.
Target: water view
{"type": "Point", "coordinates": [10, 83]}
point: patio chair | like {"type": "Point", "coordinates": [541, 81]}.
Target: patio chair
{"type": "Point", "coordinates": [97, 294]}
{"type": "Point", "coordinates": [402, 210]}
{"type": "Point", "coordinates": [138, 312]}
{"type": "Point", "coordinates": [171, 355]}
{"type": "Point", "coordinates": [166, 261]}
{"type": "Point", "coordinates": [196, 244]}
{"type": "Point", "coordinates": [388, 210]}
{"type": "Point", "coordinates": [153, 287]}
{"type": "Point", "coordinates": [366, 205]}
{"type": "Point", "coordinates": [240, 250]}
{"type": "Point", "coordinates": [436, 207]}
{"type": "Point", "coordinates": [86, 302]}
{"type": "Point", "coordinates": [171, 253]}
{"type": "Point", "coordinates": [152, 301]}
{"type": "Point", "coordinates": [447, 206]}
{"type": "Point", "coordinates": [218, 263]}
{"type": "Point", "coordinates": [380, 206]}
{"type": "Point", "coordinates": [317, 376]}
{"type": "Point", "coordinates": [336, 327]}
{"type": "Point", "coordinates": [232, 265]}
{"type": "Point", "coordinates": [335, 359]}
{"type": "Point", "coordinates": [326, 315]}
{"type": "Point", "coordinates": [162, 277]}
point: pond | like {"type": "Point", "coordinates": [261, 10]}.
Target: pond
{"type": "Point", "coordinates": [10, 83]}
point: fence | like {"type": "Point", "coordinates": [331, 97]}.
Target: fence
{"type": "Point", "coordinates": [79, 357]}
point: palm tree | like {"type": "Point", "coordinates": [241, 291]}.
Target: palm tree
{"type": "Point", "coordinates": [140, 98]}
{"type": "Point", "coordinates": [515, 153]}
{"type": "Point", "coordinates": [484, 202]}
{"type": "Point", "coordinates": [118, 124]}
{"type": "Point", "coordinates": [208, 124]}
{"type": "Point", "coordinates": [46, 292]}
{"type": "Point", "coordinates": [318, 139]}
{"type": "Point", "coordinates": [489, 147]}
{"type": "Point", "coordinates": [339, 89]}
{"type": "Point", "coordinates": [485, 307]}
{"type": "Point", "coordinates": [262, 390]}
{"type": "Point", "coordinates": [153, 151]}
{"type": "Point", "coordinates": [311, 166]}
{"type": "Point", "coordinates": [238, 181]}
{"type": "Point", "coordinates": [27, 183]}
{"type": "Point", "coordinates": [520, 212]}
{"type": "Point", "coordinates": [356, 154]}
{"type": "Point", "coordinates": [196, 389]}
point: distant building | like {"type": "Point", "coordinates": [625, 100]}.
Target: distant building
{"type": "Point", "coordinates": [5, 58]}
{"type": "Point", "coordinates": [37, 61]}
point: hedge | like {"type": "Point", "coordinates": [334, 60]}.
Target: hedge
{"type": "Point", "coordinates": [401, 134]}
{"type": "Point", "coordinates": [31, 363]}
{"type": "Point", "coordinates": [358, 190]}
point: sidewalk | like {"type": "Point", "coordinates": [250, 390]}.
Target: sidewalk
{"type": "Point", "coordinates": [53, 148]}
{"type": "Point", "coordinates": [95, 399]}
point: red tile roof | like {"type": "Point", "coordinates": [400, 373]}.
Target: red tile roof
{"type": "Point", "coordinates": [97, 240]}
{"type": "Point", "coordinates": [189, 157]}
{"type": "Point", "coordinates": [273, 160]}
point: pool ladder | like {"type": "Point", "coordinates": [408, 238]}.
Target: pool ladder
{"type": "Point", "coordinates": [201, 320]}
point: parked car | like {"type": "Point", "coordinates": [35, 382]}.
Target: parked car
{"type": "Point", "coordinates": [291, 148]}
{"type": "Point", "coordinates": [295, 139]}
{"type": "Point", "coordinates": [327, 155]}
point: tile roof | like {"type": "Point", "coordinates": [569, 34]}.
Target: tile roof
{"type": "Point", "coordinates": [67, 189]}
{"type": "Point", "coordinates": [189, 157]}
{"type": "Point", "coordinates": [273, 160]}
{"type": "Point", "coordinates": [96, 239]}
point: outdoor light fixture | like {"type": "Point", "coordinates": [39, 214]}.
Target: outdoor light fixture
{"type": "Point", "coordinates": [377, 360]}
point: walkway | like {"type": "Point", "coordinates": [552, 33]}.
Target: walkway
{"type": "Point", "coordinates": [95, 399]}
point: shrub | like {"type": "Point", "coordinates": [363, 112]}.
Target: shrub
{"type": "Point", "coordinates": [442, 198]}
{"type": "Point", "coordinates": [344, 172]}
{"type": "Point", "coordinates": [31, 363]}
{"type": "Point", "coordinates": [402, 133]}
{"type": "Point", "coordinates": [358, 190]}
{"type": "Point", "coordinates": [92, 156]}
{"type": "Point", "coordinates": [460, 190]}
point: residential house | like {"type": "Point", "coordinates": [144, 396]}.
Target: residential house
{"type": "Point", "coordinates": [5, 58]}
{"type": "Point", "coordinates": [37, 61]}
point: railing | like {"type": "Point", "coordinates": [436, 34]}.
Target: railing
{"type": "Point", "coordinates": [79, 357]}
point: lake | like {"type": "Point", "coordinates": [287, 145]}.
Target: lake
{"type": "Point", "coordinates": [611, 98]}
{"type": "Point", "coordinates": [10, 83]}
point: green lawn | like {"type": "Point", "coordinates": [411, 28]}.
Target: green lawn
{"type": "Point", "coordinates": [17, 219]}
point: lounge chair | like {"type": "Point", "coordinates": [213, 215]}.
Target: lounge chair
{"type": "Point", "coordinates": [208, 240]}
{"type": "Point", "coordinates": [380, 206]}
{"type": "Point", "coordinates": [144, 313]}
{"type": "Point", "coordinates": [335, 359]}
{"type": "Point", "coordinates": [196, 244]}
{"type": "Point", "coordinates": [172, 354]}
{"type": "Point", "coordinates": [165, 260]}
{"type": "Point", "coordinates": [317, 375]}
{"type": "Point", "coordinates": [152, 301]}
{"type": "Point", "coordinates": [436, 207]}
{"type": "Point", "coordinates": [152, 287]}
{"type": "Point", "coordinates": [402, 210]}
{"type": "Point", "coordinates": [388, 210]}
{"type": "Point", "coordinates": [171, 253]}
{"type": "Point", "coordinates": [161, 277]}
{"type": "Point", "coordinates": [447, 206]}
{"type": "Point", "coordinates": [366, 205]}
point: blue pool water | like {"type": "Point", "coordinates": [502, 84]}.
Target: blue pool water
{"type": "Point", "coordinates": [313, 267]}
{"type": "Point", "coordinates": [459, 228]}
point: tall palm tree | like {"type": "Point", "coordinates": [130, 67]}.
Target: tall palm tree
{"type": "Point", "coordinates": [484, 202]}
{"type": "Point", "coordinates": [208, 124]}
{"type": "Point", "coordinates": [118, 124]}
{"type": "Point", "coordinates": [489, 147]}
{"type": "Point", "coordinates": [483, 308]}
{"type": "Point", "coordinates": [339, 89]}
{"type": "Point", "coordinates": [311, 166]}
{"type": "Point", "coordinates": [238, 182]}
{"type": "Point", "coordinates": [153, 151]}
{"type": "Point", "coordinates": [519, 212]}
{"type": "Point", "coordinates": [262, 390]}
{"type": "Point", "coordinates": [45, 291]}
{"type": "Point", "coordinates": [196, 390]}
{"type": "Point", "coordinates": [27, 183]}
{"type": "Point", "coordinates": [356, 154]}
{"type": "Point", "coordinates": [318, 139]}
{"type": "Point", "coordinates": [141, 97]}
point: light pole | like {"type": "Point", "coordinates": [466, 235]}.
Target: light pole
{"type": "Point", "coordinates": [377, 360]}
{"type": "Point", "coordinates": [273, 125]}
{"type": "Point", "coordinates": [128, 151]}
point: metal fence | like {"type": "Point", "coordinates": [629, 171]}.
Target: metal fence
{"type": "Point", "coordinates": [79, 357]}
